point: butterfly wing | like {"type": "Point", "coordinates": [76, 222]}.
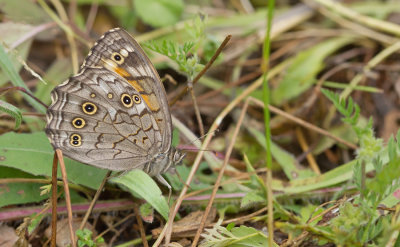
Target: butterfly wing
{"type": "Point", "coordinates": [91, 123]}
{"type": "Point", "coordinates": [118, 52]}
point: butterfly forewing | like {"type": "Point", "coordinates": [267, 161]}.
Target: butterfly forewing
{"type": "Point", "coordinates": [118, 52]}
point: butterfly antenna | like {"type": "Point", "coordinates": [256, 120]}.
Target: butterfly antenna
{"type": "Point", "coordinates": [201, 137]}
{"type": "Point", "coordinates": [197, 150]}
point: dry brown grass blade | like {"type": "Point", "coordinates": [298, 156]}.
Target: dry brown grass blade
{"type": "Point", "coordinates": [305, 147]}
{"type": "Point", "coordinates": [54, 201]}
{"type": "Point", "coordinates": [141, 227]}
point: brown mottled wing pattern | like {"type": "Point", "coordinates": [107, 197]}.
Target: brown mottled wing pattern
{"type": "Point", "coordinates": [138, 71]}
{"type": "Point", "coordinates": [89, 119]}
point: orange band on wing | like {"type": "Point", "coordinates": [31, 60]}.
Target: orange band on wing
{"type": "Point", "coordinates": [122, 72]}
{"type": "Point", "coordinates": [136, 85]}
{"type": "Point", "coordinates": [152, 104]}
{"type": "Point", "coordinates": [125, 74]}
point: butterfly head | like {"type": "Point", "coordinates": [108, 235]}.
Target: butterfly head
{"type": "Point", "coordinates": [177, 156]}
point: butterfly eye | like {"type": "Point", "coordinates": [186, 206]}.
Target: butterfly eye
{"type": "Point", "coordinates": [136, 99]}
{"type": "Point", "coordinates": [118, 58]}
{"type": "Point", "coordinates": [178, 157]}
{"type": "Point", "coordinates": [75, 140]}
{"type": "Point", "coordinates": [126, 100]}
{"type": "Point", "coordinates": [78, 123]}
{"type": "Point", "coordinates": [89, 108]}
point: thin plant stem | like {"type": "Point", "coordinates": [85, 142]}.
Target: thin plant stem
{"type": "Point", "coordinates": [92, 15]}
{"type": "Point", "coordinates": [72, 9]}
{"type": "Point", "coordinates": [266, 94]}
{"type": "Point", "coordinates": [67, 196]}
{"type": "Point", "coordinates": [141, 228]}
{"type": "Point", "coordinates": [197, 110]}
{"type": "Point", "coordinates": [54, 202]}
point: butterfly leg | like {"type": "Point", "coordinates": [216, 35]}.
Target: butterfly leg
{"type": "Point", "coordinates": [162, 180]}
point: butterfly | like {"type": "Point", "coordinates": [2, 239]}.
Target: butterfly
{"type": "Point", "coordinates": [114, 113]}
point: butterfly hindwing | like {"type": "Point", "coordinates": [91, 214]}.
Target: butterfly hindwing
{"type": "Point", "coordinates": [125, 134]}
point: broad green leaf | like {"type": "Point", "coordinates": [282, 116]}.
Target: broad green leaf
{"type": "Point", "coordinates": [11, 72]}
{"type": "Point", "coordinates": [32, 153]}
{"type": "Point", "coordinates": [139, 183]}
{"type": "Point", "coordinates": [159, 13]}
{"type": "Point", "coordinates": [12, 111]}
{"type": "Point", "coordinates": [18, 193]}
{"type": "Point", "coordinates": [302, 72]}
